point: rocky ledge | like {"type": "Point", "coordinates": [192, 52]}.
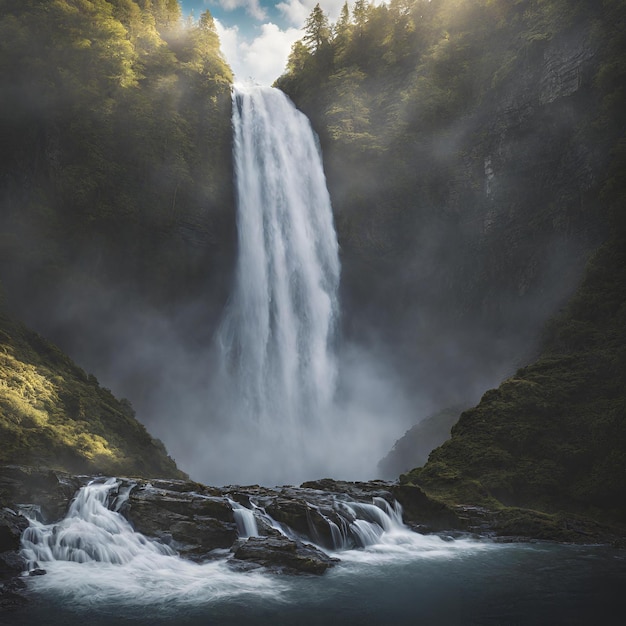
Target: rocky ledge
{"type": "Point", "coordinates": [283, 555]}
{"type": "Point", "coordinates": [285, 530]}
{"type": "Point", "coordinates": [11, 563]}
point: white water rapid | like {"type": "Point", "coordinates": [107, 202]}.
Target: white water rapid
{"type": "Point", "coordinates": [276, 339]}
{"type": "Point", "coordinates": [101, 572]}
{"type": "Point", "coordinates": [94, 557]}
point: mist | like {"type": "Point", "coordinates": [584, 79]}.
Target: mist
{"type": "Point", "coordinates": [119, 238]}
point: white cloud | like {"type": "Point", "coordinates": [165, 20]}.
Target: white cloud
{"type": "Point", "coordinates": [296, 11]}
{"type": "Point", "coordinates": [263, 59]}
{"type": "Point", "coordinates": [229, 43]}
{"type": "Point", "coordinates": [252, 7]}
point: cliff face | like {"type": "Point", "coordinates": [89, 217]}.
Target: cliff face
{"type": "Point", "coordinates": [468, 204]}
{"type": "Point", "coordinates": [496, 147]}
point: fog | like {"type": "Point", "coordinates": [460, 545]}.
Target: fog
{"type": "Point", "coordinates": [443, 291]}
{"type": "Point", "coordinates": [403, 352]}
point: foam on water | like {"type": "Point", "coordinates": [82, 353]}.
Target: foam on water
{"type": "Point", "coordinates": [94, 556]}
{"type": "Point", "coordinates": [99, 571]}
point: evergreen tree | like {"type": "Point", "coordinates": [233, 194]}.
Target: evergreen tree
{"type": "Point", "coordinates": [342, 31]}
{"type": "Point", "coordinates": [316, 29]}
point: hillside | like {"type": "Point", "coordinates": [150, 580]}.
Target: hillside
{"type": "Point", "coordinates": [552, 437]}
{"type": "Point", "coordinates": [116, 208]}
{"type": "Point", "coordinates": [466, 146]}
{"type": "Point", "coordinates": [475, 156]}
{"type": "Point", "coordinates": [413, 448]}
{"type": "Point", "coordinates": [53, 414]}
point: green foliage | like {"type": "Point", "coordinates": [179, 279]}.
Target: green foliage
{"type": "Point", "coordinates": [553, 437]}
{"type": "Point", "coordinates": [316, 30]}
{"type": "Point", "coordinates": [419, 100]}
{"type": "Point", "coordinates": [54, 415]}
{"type": "Point", "coordinates": [440, 59]}
{"type": "Point", "coordinates": [115, 126]}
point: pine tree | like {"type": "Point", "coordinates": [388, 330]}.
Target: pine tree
{"type": "Point", "coordinates": [316, 29]}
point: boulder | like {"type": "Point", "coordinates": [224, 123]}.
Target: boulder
{"type": "Point", "coordinates": [284, 555]}
{"type": "Point", "coordinates": [11, 563]}
{"type": "Point", "coordinates": [51, 490]}
{"type": "Point", "coordinates": [11, 527]}
{"type": "Point", "coordinates": [11, 596]}
{"type": "Point", "coordinates": [192, 523]}
{"type": "Point", "coordinates": [424, 512]}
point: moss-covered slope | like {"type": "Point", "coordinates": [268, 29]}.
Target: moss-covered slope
{"type": "Point", "coordinates": [53, 414]}
{"type": "Point", "coordinates": [552, 437]}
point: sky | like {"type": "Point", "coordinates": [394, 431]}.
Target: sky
{"type": "Point", "coordinates": [257, 35]}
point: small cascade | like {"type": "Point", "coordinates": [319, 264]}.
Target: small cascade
{"type": "Point", "coordinates": [338, 534]}
{"type": "Point", "coordinates": [366, 523]}
{"type": "Point", "coordinates": [94, 530]}
{"type": "Point", "coordinates": [93, 557]}
{"type": "Point", "coordinates": [339, 525]}
{"type": "Point", "coordinates": [89, 532]}
{"type": "Point", "coordinates": [123, 493]}
{"type": "Point", "coordinates": [245, 520]}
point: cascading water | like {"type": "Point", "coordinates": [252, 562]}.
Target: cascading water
{"type": "Point", "coordinates": [279, 369]}
{"type": "Point", "coordinates": [94, 556]}
{"type": "Point", "coordinates": [244, 518]}
{"type": "Point", "coordinates": [100, 571]}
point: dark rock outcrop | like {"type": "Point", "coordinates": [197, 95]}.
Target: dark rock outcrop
{"type": "Point", "coordinates": [11, 563]}
{"type": "Point", "coordinates": [425, 513]}
{"type": "Point", "coordinates": [51, 490]}
{"type": "Point", "coordinates": [193, 522]}
{"type": "Point", "coordinates": [284, 555]}
{"type": "Point", "coordinates": [11, 527]}
{"type": "Point", "coordinates": [11, 596]}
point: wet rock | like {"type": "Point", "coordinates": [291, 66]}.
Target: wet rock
{"type": "Point", "coordinates": [182, 486]}
{"type": "Point", "coordinates": [11, 596]}
{"type": "Point", "coordinates": [358, 490]}
{"type": "Point", "coordinates": [430, 515]}
{"type": "Point", "coordinates": [306, 514]}
{"type": "Point", "coordinates": [11, 527]}
{"type": "Point", "coordinates": [11, 563]}
{"type": "Point", "coordinates": [297, 515]}
{"type": "Point", "coordinates": [38, 571]}
{"type": "Point", "coordinates": [192, 523]}
{"type": "Point", "coordinates": [50, 489]}
{"type": "Point", "coordinates": [284, 555]}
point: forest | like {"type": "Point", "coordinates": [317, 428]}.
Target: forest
{"type": "Point", "coordinates": [459, 288]}
{"type": "Point", "coordinates": [474, 154]}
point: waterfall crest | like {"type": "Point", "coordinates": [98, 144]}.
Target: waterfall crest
{"type": "Point", "coordinates": [276, 340]}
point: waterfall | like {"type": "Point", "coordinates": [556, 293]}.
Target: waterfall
{"type": "Point", "coordinates": [94, 557]}
{"type": "Point", "coordinates": [244, 518]}
{"type": "Point", "coordinates": [90, 532]}
{"type": "Point", "coordinates": [276, 339]}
